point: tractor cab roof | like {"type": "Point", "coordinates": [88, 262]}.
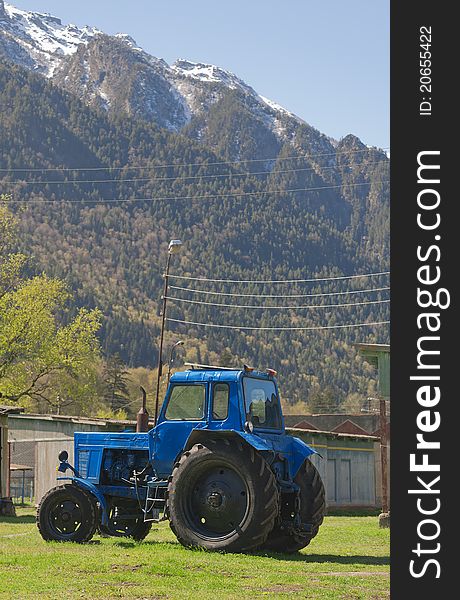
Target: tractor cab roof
{"type": "Point", "coordinates": [203, 373]}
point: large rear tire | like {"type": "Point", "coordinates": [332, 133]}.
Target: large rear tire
{"type": "Point", "coordinates": [312, 511]}
{"type": "Point", "coordinates": [67, 513]}
{"type": "Point", "coordinates": [222, 496]}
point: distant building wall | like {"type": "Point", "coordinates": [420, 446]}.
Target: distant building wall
{"type": "Point", "coordinates": [36, 440]}
{"type": "Point", "coordinates": [347, 466]}
{"type": "Point", "coordinates": [46, 454]}
{"type": "Point", "coordinates": [3, 456]}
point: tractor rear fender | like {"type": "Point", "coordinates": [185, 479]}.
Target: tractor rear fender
{"type": "Point", "coordinates": [299, 452]}
{"type": "Point", "coordinates": [92, 489]}
{"type": "Point", "coordinates": [198, 435]}
{"type": "Point", "coordinates": [293, 448]}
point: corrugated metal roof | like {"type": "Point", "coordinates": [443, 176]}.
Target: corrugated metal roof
{"type": "Point", "coordinates": [333, 434]}
{"type": "Point", "coordinates": [373, 347]}
{"type": "Point", "coordinates": [10, 410]}
{"type": "Point", "coordinates": [75, 419]}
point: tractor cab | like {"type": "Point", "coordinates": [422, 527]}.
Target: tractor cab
{"type": "Point", "coordinates": [206, 400]}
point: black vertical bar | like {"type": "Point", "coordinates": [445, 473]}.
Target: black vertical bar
{"type": "Point", "coordinates": [383, 453]}
{"type": "Point", "coordinates": [423, 119]}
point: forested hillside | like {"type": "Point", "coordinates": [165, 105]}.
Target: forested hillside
{"type": "Point", "coordinates": [99, 195]}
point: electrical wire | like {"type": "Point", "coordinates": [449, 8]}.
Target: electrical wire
{"type": "Point", "coordinates": [341, 277]}
{"type": "Point", "coordinates": [348, 325]}
{"type": "Point", "coordinates": [182, 177]}
{"type": "Point", "coordinates": [197, 197]}
{"type": "Point", "coordinates": [310, 306]}
{"type": "Point", "coordinates": [200, 164]}
{"type": "Point", "coordinates": [193, 291]}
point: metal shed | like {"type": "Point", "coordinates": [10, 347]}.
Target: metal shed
{"type": "Point", "coordinates": [6, 506]}
{"type": "Point", "coordinates": [347, 466]}
{"type": "Point", "coordinates": [35, 441]}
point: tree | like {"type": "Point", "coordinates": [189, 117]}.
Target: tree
{"type": "Point", "coordinates": [323, 400]}
{"type": "Point", "coordinates": [354, 404]}
{"type": "Point", "coordinates": [116, 379]}
{"type": "Point", "coordinates": [226, 358]}
{"type": "Point", "coordinates": [11, 263]}
{"type": "Point", "coordinates": [43, 353]}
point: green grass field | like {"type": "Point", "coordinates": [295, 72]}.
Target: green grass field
{"type": "Point", "coordinates": [349, 559]}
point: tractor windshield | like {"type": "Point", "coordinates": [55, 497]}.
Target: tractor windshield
{"type": "Point", "coordinates": [262, 403]}
{"type": "Point", "coordinates": [186, 403]}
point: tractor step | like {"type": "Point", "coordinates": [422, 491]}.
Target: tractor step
{"type": "Point", "coordinates": [155, 502]}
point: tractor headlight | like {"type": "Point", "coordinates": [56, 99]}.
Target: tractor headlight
{"type": "Point", "coordinates": [63, 455]}
{"type": "Point", "coordinates": [249, 426]}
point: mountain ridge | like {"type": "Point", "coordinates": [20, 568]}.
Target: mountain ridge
{"type": "Point", "coordinates": [173, 96]}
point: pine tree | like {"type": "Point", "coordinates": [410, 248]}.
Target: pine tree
{"type": "Point", "coordinates": [115, 391]}
{"type": "Point", "coordinates": [226, 358]}
{"type": "Point", "coordinates": [323, 401]}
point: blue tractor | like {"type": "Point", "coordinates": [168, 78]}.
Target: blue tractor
{"type": "Point", "coordinates": [218, 464]}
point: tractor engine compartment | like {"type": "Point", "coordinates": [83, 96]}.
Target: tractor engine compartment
{"type": "Point", "coordinates": [119, 465]}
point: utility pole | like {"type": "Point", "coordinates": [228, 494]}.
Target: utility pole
{"type": "Point", "coordinates": [174, 247]}
{"type": "Point", "coordinates": [383, 454]}
{"type": "Point", "coordinates": [171, 354]}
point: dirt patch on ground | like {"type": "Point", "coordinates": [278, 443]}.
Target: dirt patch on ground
{"type": "Point", "coordinates": [126, 567]}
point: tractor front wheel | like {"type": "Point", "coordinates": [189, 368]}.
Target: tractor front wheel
{"type": "Point", "coordinates": [67, 513]}
{"type": "Point", "coordinates": [222, 496]}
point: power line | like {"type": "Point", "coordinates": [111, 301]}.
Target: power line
{"type": "Point", "coordinates": [279, 280]}
{"type": "Point", "coordinates": [200, 164]}
{"type": "Point", "coordinates": [309, 306]}
{"type": "Point", "coordinates": [182, 177]}
{"type": "Point", "coordinates": [348, 325]}
{"type": "Point", "coordinates": [197, 197]}
{"type": "Point", "coordinates": [193, 291]}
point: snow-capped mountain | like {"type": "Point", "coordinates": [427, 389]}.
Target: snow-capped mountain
{"type": "Point", "coordinates": [39, 41]}
{"type": "Point", "coordinates": [114, 73]}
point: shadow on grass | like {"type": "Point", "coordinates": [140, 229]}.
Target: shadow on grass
{"type": "Point", "coordinates": [329, 558]}
{"type": "Point", "coordinates": [342, 512]}
{"type": "Point", "coordinates": [168, 543]}
{"type": "Point", "coordinates": [126, 544]}
{"type": "Point", "coordinates": [134, 543]}
{"type": "Point", "coordinates": [297, 557]}
{"type": "Point", "coordinates": [23, 519]}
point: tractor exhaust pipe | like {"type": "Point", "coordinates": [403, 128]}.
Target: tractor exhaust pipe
{"type": "Point", "coordinates": [142, 417]}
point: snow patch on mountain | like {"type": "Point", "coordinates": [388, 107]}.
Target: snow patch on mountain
{"type": "Point", "coordinates": [208, 74]}
{"type": "Point", "coordinates": [44, 36]}
{"type": "Point", "coordinates": [275, 106]}
{"type": "Point", "coordinates": [129, 41]}
{"type": "Point", "coordinates": [105, 100]}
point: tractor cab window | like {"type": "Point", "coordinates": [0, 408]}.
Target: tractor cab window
{"type": "Point", "coordinates": [221, 393]}
{"type": "Point", "coordinates": [262, 403]}
{"type": "Point", "coordinates": [186, 403]}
